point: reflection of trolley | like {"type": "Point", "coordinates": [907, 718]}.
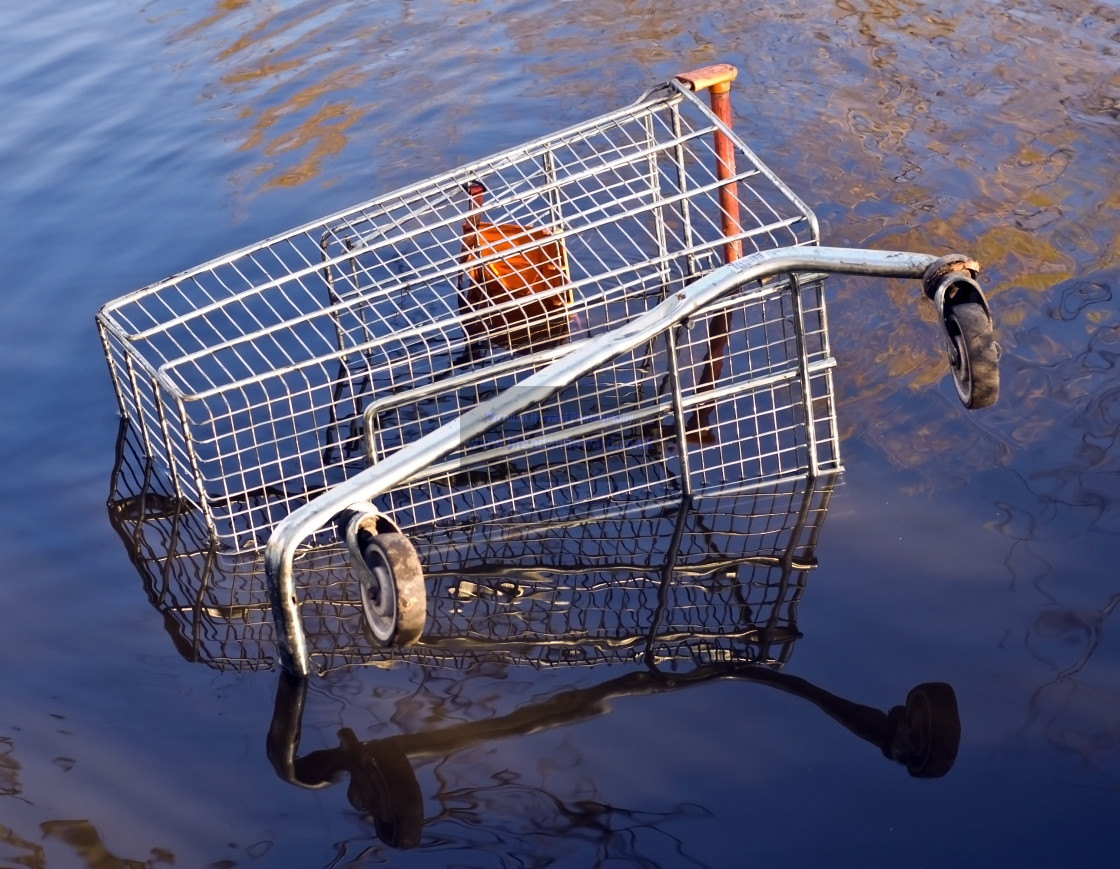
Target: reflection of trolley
{"type": "Point", "coordinates": [547, 334]}
{"type": "Point", "coordinates": [682, 584]}
{"type": "Point", "coordinates": [923, 734]}
{"type": "Point", "coordinates": [685, 594]}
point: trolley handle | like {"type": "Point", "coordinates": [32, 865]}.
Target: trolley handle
{"type": "Point", "coordinates": [717, 77]}
{"type": "Point", "coordinates": [954, 287]}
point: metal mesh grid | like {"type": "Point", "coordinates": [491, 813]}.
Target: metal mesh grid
{"type": "Point", "coordinates": [249, 376]}
{"type": "Point", "coordinates": [613, 436]}
{"type": "Point", "coordinates": [679, 586]}
{"type": "Point", "coordinates": [214, 604]}
{"type": "Point", "coordinates": [717, 581]}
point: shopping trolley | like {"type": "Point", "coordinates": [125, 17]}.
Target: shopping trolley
{"type": "Point", "coordinates": [628, 310]}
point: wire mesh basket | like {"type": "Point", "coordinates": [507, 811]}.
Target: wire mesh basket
{"type": "Point", "coordinates": [625, 313]}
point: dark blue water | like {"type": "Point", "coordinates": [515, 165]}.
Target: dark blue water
{"type": "Point", "coordinates": [975, 550]}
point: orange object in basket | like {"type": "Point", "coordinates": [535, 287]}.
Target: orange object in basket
{"type": "Point", "coordinates": [534, 273]}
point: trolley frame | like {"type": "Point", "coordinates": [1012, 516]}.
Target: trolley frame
{"type": "Point", "coordinates": [568, 345]}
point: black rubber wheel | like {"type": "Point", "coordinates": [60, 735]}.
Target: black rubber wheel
{"type": "Point", "coordinates": [933, 721]}
{"type": "Point", "coordinates": [383, 787]}
{"type": "Point", "coordinates": [392, 589]}
{"type": "Point", "coordinates": [973, 355]}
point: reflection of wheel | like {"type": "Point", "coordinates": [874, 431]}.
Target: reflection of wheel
{"type": "Point", "coordinates": [973, 355]}
{"type": "Point", "coordinates": [934, 726]}
{"type": "Point", "coordinates": [392, 587]}
{"type": "Point", "coordinates": [384, 788]}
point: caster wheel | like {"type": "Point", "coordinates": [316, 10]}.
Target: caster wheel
{"type": "Point", "coordinates": [934, 727]}
{"type": "Point", "coordinates": [973, 355]}
{"type": "Point", "coordinates": [392, 589]}
{"type": "Point", "coordinates": [383, 787]}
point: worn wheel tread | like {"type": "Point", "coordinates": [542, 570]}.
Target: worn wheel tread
{"type": "Point", "coordinates": [407, 578]}
{"type": "Point", "coordinates": [976, 374]}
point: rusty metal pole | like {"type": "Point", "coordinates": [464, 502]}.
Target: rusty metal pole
{"type": "Point", "coordinates": [717, 80]}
